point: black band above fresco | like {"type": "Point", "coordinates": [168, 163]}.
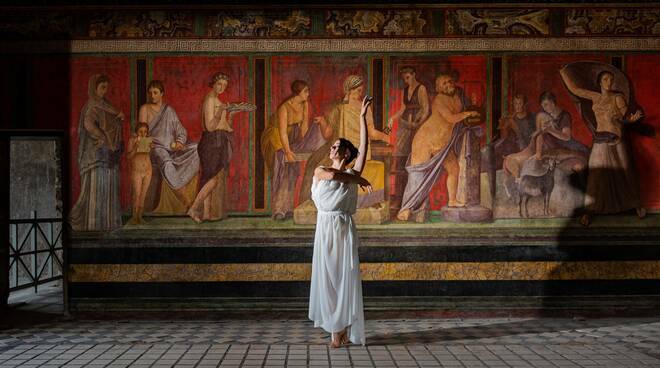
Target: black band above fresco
{"type": "Point", "coordinates": [370, 288]}
{"type": "Point", "coordinates": [303, 254]}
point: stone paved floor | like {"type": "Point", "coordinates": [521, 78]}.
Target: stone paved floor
{"type": "Point", "coordinates": [493, 342]}
{"type": "Point", "coordinates": [496, 342]}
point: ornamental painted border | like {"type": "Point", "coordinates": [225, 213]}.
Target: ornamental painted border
{"type": "Point", "coordinates": [333, 45]}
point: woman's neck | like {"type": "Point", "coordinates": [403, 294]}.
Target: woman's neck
{"type": "Point", "coordinates": [520, 114]}
{"type": "Point", "coordinates": [338, 165]}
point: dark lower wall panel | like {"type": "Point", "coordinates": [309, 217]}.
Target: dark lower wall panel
{"type": "Point", "coordinates": [303, 254]}
{"type": "Point", "coordinates": [370, 289]}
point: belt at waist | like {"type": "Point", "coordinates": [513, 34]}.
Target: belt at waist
{"type": "Point", "coordinates": [334, 212]}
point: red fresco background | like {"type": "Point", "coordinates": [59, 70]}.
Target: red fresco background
{"type": "Point", "coordinates": [471, 72]}
{"type": "Point", "coordinates": [186, 80]}
{"type": "Point", "coordinates": [325, 77]}
{"type": "Point", "coordinates": [642, 71]}
{"type": "Point", "coordinates": [117, 70]}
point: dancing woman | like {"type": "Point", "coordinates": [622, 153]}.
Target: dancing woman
{"type": "Point", "coordinates": [335, 302]}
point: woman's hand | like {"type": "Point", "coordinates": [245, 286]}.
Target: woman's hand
{"type": "Point", "coordinates": [121, 116]}
{"type": "Point", "coordinates": [320, 120]}
{"type": "Point", "coordinates": [99, 142]}
{"type": "Point", "coordinates": [365, 185]}
{"type": "Point", "coordinates": [219, 110]}
{"type": "Point", "coordinates": [636, 116]}
{"type": "Point", "coordinates": [290, 156]}
{"type": "Point", "coordinates": [366, 102]}
{"type": "Point", "coordinates": [388, 127]}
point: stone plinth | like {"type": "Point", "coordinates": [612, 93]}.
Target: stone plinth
{"type": "Point", "coordinates": [467, 214]}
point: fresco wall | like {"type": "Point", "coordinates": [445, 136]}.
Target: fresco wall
{"type": "Point", "coordinates": [506, 105]}
{"type": "Point", "coordinates": [498, 58]}
{"type": "Point", "coordinates": [524, 77]}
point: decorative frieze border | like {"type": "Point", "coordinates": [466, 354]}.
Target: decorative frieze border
{"type": "Point", "coordinates": [332, 45]}
{"type": "Point", "coordinates": [350, 21]}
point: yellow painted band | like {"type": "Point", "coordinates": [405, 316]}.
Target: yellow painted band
{"type": "Point", "coordinates": [399, 271]}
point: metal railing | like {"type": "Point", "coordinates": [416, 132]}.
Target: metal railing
{"type": "Point", "coordinates": [35, 252]}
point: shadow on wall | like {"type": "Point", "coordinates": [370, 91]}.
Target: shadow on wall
{"type": "Point", "coordinates": [604, 264]}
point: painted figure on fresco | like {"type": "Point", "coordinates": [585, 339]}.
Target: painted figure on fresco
{"type": "Point", "coordinates": [99, 138]}
{"type": "Point", "coordinates": [175, 158]}
{"type": "Point", "coordinates": [516, 131]}
{"type": "Point", "coordinates": [435, 147]}
{"type": "Point", "coordinates": [335, 300]}
{"type": "Point", "coordinates": [343, 121]}
{"type": "Point", "coordinates": [612, 185]}
{"type": "Point", "coordinates": [288, 135]}
{"type": "Point", "coordinates": [414, 111]}
{"type": "Point", "coordinates": [139, 148]}
{"type": "Point", "coordinates": [552, 138]}
{"type": "Point", "coordinates": [215, 151]}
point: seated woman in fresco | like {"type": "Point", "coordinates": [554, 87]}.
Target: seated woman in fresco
{"type": "Point", "coordinates": [552, 138]}
{"type": "Point", "coordinates": [612, 185]}
{"type": "Point", "coordinates": [99, 148]}
{"type": "Point", "coordinates": [175, 158]}
{"type": "Point", "coordinates": [343, 121]}
{"type": "Point", "coordinates": [289, 133]}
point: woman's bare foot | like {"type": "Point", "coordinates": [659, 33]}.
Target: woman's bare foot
{"type": "Point", "coordinates": [345, 340]}
{"type": "Point", "coordinates": [585, 220]}
{"type": "Point", "coordinates": [641, 212]}
{"type": "Point", "coordinates": [403, 215]}
{"type": "Point", "coordinates": [335, 340]}
{"type": "Point", "coordinates": [455, 204]}
{"type": "Point", "coordinates": [194, 216]}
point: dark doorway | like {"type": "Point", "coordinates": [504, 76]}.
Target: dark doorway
{"type": "Point", "coordinates": [33, 221]}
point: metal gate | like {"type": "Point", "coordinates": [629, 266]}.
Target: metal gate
{"type": "Point", "coordinates": [35, 252]}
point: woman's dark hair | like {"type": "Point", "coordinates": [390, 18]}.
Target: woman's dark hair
{"type": "Point", "coordinates": [216, 77]}
{"type": "Point", "coordinates": [101, 79]}
{"type": "Point", "coordinates": [156, 84]}
{"type": "Point", "coordinates": [602, 74]}
{"type": "Point", "coordinates": [345, 144]}
{"type": "Point", "coordinates": [547, 95]}
{"type": "Point", "coordinates": [407, 69]}
{"type": "Point", "coordinates": [140, 125]}
{"type": "Point", "coordinates": [521, 97]}
{"type": "Point", "coordinates": [297, 86]}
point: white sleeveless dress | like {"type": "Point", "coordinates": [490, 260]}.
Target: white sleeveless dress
{"type": "Point", "coordinates": [335, 300]}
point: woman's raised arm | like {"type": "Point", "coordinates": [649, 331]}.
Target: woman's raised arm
{"type": "Point", "coordinates": [364, 136]}
{"type": "Point", "coordinates": [580, 92]}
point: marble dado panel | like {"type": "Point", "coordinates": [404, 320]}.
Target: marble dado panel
{"type": "Point", "coordinates": [333, 45]}
{"type": "Point", "coordinates": [413, 271]}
